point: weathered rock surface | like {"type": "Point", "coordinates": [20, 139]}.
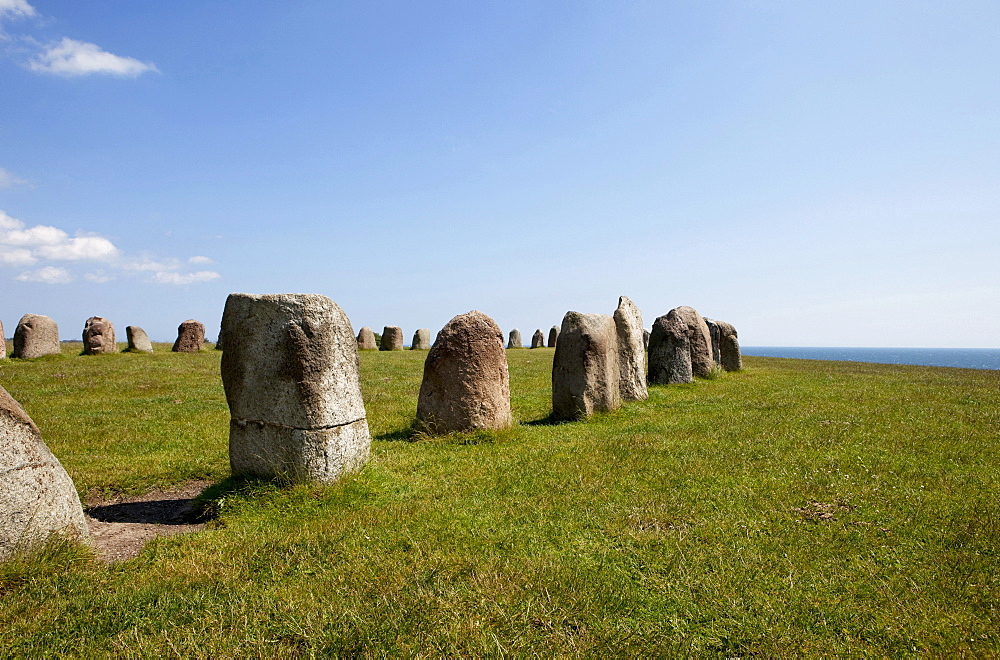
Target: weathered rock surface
{"type": "Point", "coordinates": [553, 336]}
{"type": "Point", "coordinates": [645, 338]}
{"type": "Point", "coordinates": [538, 339]}
{"type": "Point", "coordinates": [37, 497]}
{"type": "Point", "coordinates": [392, 338]}
{"type": "Point", "coordinates": [138, 340]}
{"type": "Point", "coordinates": [99, 336]}
{"type": "Point", "coordinates": [466, 384]}
{"type": "Point", "coordinates": [585, 374]}
{"type": "Point", "coordinates": [190, 337]}
{"type": "Point", "coordinates": [729, 347]}
{"type": "Point", "coordinates": [290, 372]}
{"type": "Point", "coordinates": [36, 335]}
{"type": "Point", "coordinates": [669, 351]}
{"type": "Point", "coordinates": [700, 339]}
{"type": "Point", "coordinates": [514, 339]}
{"type": "Point", "coordinates": [631, 351]}
{"type": "Point", "coordinates": [713, 331]}
{"type": "Point", "coordinates": [366, 339]}
{"type": "Point", "coordinates": [421, 340]}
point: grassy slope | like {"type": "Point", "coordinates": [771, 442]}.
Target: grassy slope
{"type": "Point", "coordinates": [668, 526]}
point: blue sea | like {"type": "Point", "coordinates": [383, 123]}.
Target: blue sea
{"type": "Point", "coordinates": [967, 358]}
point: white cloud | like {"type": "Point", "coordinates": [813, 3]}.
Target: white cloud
{"type": "Point", "coordinates": [16, 8]}
{"type": "Point", "coordinates": [78, 58]}
{"type": "Point", "coordinates": [9, 180]}
{"type": "Point", "coordinates": [52, 243]}
{"type": "Point", "coordinates": [171, 277]}
{"type": "Point", "coordinates": [46, 275]}
{"type": "Point", "coordinates": [16, 256]}
{"type": "Point", "coordinates": [98, 277]}
{"type": "Point", "coordinates": [146, 263]}
{"type": "Point", "coordinates": [201, 260]}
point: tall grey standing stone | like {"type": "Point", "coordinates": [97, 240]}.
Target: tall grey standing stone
{"type": "Point", "coordinates": [729, 347]}
{"type": "Point", "coordinates": [366, 339]}
{"type": "Point", "coordinates": [290, 372]}
{"type": "Point", "coordinates": [37, 497]}
{"type": "Point", "coordinates": [553, 336]}
{"type": "Point", "coordinates": [190, 337]}
{"type": "Point", "coordinates": [99, 336]}
{"type": "Point", "coordinates": [421, 340]}
{"type": "Point", "coordinates": [645, 338]}
{"type": "Point", "coordinates": [392, 338]}
{"type": "Point", "coordinates": [138, 340]}
{"type": "Point", "coordinates": [713, 331]}
{"type": "Point", "coordinates": [538, 339]}
{"type": "Point", "coordinates": [466, 384]}
{"type": "Point", "coordinates": [700, 339]}
{"type": "Point", "coordinates": [585, 374]}
{"type": "Point", "coordinates": [514, 339]}
{"type": "Point", "coordinates": [631, 351]}
{"type": "Point", "coordinates": [36, 335]}
{"type": "Point", "coordinates": [669, 351]}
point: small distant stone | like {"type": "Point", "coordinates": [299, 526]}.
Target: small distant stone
{"type": "Point", "coordinates": [36, 335]}
{"type": "Point", "coordinates": [392, 338]}
{"type": "Point", "coordinates": [729, 347]}
{"type": "Point", "coordinates": [3, 343]}
{"type": "Point", "coordinates": [585, 374]}
{"type": "Point", "coordinates": [218, 342]}
{"type": "Point", "coordinates": [553, 336]}
{"type": "Point", "coordinates": [713, 331]}
{"type": "Point", "coordinates": [190, 337]}
{"type": "Point", "coordinates": [538, 339]}
{"type": "Point", "coordinates": [421, 340]}
{"type": "Point", "coordinates": [645, 338]}
{"type": "Point", "coordinates": [514, 339]}
{"type": "Point", "coordinates": [37, 496]}
{"type": "Point", "coordinates": [466, 384]}
{"type": "Point", "coordinates": [366, 339]}
{"type": "Point", "coordinates": [99, 336]}
{"type": "Point", "coordinates": [138, 340]}
{"type": "Point", "coordinates": [631, 351]}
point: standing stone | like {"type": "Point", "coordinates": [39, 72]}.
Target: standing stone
{"type": "Point", "coordinates": [631, 351]}
{"type": "Point", "coordinates": [553, 336]}
{"type": "Point", "coordinates": [138, 340]}
{"type": "Point", "coordinates": [585, 374]}
{"type": "Point", "coordinates": [290, 372]}
{"type": "Point", "coordinates": [3, 343]}
{"type": "Point", "coordinates": [669, 351]}
{"type": "Point", "coordinates": [466, 385]}
{"type": "Point", "coordinates": [190, 337]}
{"type": "Point", "coordinates": [713, 330]}
{"type": "Point", "coordinates": [514, 339]}
{"type": "Point", "coordinates": [366, 339]}
{"type": "Point", "coordinates": [37, 497]}
{"type": "Point", "coordinates": [645, 338]}
{"type": "Point", "coordinates": [421, 340]}
{"type": "Point", "coordinates": [538, 339]}
{"type": "Point", "coordinates": [729, 347]}
{"type": "Point", "coordinates": [36, 335]}
{"type": "Point", "coordinates": [218, 342]}
{"type": "Point", "coordinates": [99, 336]}
{"type": "Point", "coordinates": [392, 338]}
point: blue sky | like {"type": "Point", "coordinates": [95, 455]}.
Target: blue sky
{"type": "Point", "coordinates": [817, 174]}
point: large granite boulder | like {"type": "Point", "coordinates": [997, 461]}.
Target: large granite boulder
{"type": "Point", "coordinates": [421, 340]}
{"type": "Point", "coordinates": [631, 351]}
{"type": "Point", "coordinates": [538, 339]}
{"type": "Point", "coordinates": [37, 497]}
{"type": "Point", "coordinates": [466, 385]}
{"type": "Point", "coordinates": [36, 335]}
{"type": "Point", "coordinates": [729, 347]}
{"type": "Point", "coordinates": [669, 351]}
{"type": "Point", "coordinates": [514, 339]}
{"type": "Point", "coordinates": [700, 338]}
{"type": "Point", "coordinates": [713, 331]}
{"type": "Point", "coordinates": [99, 336]}
{"type": "Point", "coordinates": [553, 336]}
{"type": "Point", "coordinates": [392, 338]}
{"type": "Point", "coordinates": [585, 374]}
{"type": "Point", "coordinates": [190, 337]}
{"type": "Point", "coordinates": [366, 339]}
{"type": "Point", "coordinates": [138, 340]}
{"type": "Point", "coordinates": [290, 372]}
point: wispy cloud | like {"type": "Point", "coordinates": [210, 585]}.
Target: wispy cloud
{"type": "Point", "coordinates": [201, 260]}
{"type": "Point", "coordinates": [16, 8]}
{"type": "Point", "coordinates": [9, 180]}
{"type": "Point", "coordinates": [46, 275]}
{"type": "Point", "coordinates": [169, 277]}
{"type": "Point", "coordinates": [78, 58]}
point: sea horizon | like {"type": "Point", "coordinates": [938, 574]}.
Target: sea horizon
{"type": "Point", "coordinates": [964, 358]}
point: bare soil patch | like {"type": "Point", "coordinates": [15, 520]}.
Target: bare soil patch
{"type": "Point", "coordinates": [120, 527]}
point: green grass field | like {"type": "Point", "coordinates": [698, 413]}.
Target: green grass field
{"type": "Point", "coordinates": [797, 507]}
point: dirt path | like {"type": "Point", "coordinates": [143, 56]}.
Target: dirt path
{"type": "Point", "coordinates": [120, 527]}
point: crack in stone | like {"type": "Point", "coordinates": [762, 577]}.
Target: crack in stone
{"type": "Point", "coordinates": [23, 466]}
{"type": "Point", "coordinates": [260, 423]}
